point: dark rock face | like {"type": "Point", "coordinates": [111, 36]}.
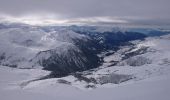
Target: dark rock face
{"type": "Point", "coordinates": [138, 61]}
{"type": "Point", "coordinates": [114, 78]}
{"type": "Point", "coordinates": [63, 62]}
{"type": "Point", "coordinates": [2, 57]}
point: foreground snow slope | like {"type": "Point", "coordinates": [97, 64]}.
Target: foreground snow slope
{"type": "Point", "coordinates": [156, 88]}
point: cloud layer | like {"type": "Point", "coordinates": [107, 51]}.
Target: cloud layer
{"type": "Point", "coordinates": [90, 11]}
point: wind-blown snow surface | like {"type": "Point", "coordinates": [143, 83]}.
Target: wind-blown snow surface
{"type": "Point", "coordinates": [150, 80]}
{"type": "Point", "coordinates": [156, 88]}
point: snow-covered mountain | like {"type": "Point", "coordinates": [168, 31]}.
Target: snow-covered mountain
{"type": "Point", "coordinates": [47, 60]}
{"type": "Point", "coordinates": [32, 47]}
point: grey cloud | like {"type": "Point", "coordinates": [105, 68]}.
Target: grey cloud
{"type": "Point", "coordinates": [157, 10]}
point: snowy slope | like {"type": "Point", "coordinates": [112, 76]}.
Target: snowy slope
{"type": "Point", "coordinates": [156, 88]}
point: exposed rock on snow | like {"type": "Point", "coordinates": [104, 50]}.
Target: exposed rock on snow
{"type": "Point", "coordinates": [136, 61]}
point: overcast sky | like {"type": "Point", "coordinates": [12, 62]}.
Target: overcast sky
{"type": "Point", "coordinates": [118, 11]}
